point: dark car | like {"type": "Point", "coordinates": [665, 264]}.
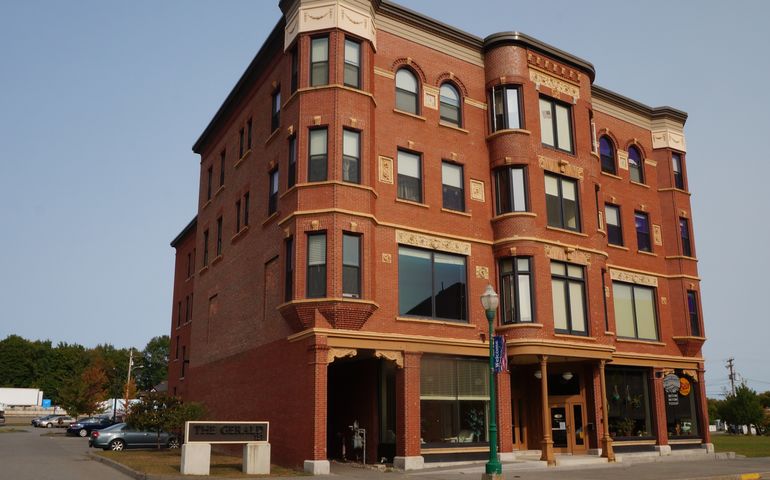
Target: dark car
{"type": "Point", "coordinates": [120, 436]}
{"type": "Point", "coordinates": [84, 427]}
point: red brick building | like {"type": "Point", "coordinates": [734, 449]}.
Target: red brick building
{"type": "Point", "coordinates": [369, 175]}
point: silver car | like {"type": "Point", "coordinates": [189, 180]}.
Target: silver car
{"type": "Point", "coordinates": [120, 436]}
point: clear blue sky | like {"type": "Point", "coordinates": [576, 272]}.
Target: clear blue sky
{"type": "Point", "coordinates": [100, 102]}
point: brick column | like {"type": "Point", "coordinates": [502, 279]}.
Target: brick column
{"type": "Point", "coordinates": [703, 406]}
{"type": "Point", "coordinates": [659, 406]}
{"type": "Point", "coordinates": [504, 415]}
{"type": "Point", "coordinates": [408, 413]}
{"type": "Point", "coordinates": [318, 362]}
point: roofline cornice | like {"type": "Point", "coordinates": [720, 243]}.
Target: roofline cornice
{"type": "Point", "coordinates": [654, 113]}
{"type": "Point", "coordinates": [190, 227]}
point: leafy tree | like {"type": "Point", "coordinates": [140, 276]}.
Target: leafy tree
{"type": "Point", "coordinates": [82, 393]}
{"type": "Point", "coordinates": [764, 399]}
{"type": "Point", "coordinates": [713, 406]}
{"type": "Point", "coordinates": [158, 412]}
{"type": "Point", "coordinates": [743, 408]}
{"type": "Point", "coordinates": [154, 359]}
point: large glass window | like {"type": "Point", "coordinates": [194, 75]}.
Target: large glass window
{"type": "Point", "coordinates": [635, 165]}
{"type": "Point", "coordinates": [409, 176]}
{"type": "Point", "coordinates": [676, 166]}
{"type": "Point", "coordinates": [351, 265]}
{"type": "Point", "coordinates": [275, 113]}
{"type": "Point", "coordinates": [506, 108]}
{"type": "Point", "coordinates": [351, 156]}
{"type": "Point", "coordinates": [556, 124]}
{"type": "Point", "coordinates": [450, 104]}
{"type": "Point", "coordinates": [692, 310]}
{"type": "Point", "coordinates": [352, 64]}
{"type": "Point", "coordinates": [628, 399]}
{"type": "Point", "coordinates": [516, 285]}
{"type": "Point", "coordinates": [614, 230]}
{"type": "Point", "coordinates": [431, 284]}
{"type": "Point", "coordinates": [642, 222]}
{"type": "Point", "coordinates": [684, 231]}
{"type": "Point", "coordinates": [319, 61]}
{"type": "Point", "coordinates": [607, 154]}
{"type": "Point", "coordinates": [318, 155]}
{"type": "Point", "coordinates": [454, 400]}
{"type": "Point", "coordinates": [511, 190]}
{"type": "Point", "coordinates": [452, 186]}
{"type": "Point", "coordinates": [272, 200]}
{"type": "Point", "coordinates": [561, 198]}
{"type": "Point", "coordinates": [681, 406]}
{"type": "Point", "coordinates": [568, 292]}
{"type": "Point", "coordinates": [407, 90]}
{"type": "Point", "coordinates": [635, 311]}
{"type": "Point", "coordinates": [316, 265]}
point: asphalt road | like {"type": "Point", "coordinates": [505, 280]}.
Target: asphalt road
{"type": "Point", "coordinates": [34, 455]}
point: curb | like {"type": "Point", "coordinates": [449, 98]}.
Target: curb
{"type": "Point", "coordinates": [735, 476]}
{"type": "Point", "coordinates": [118, 466]}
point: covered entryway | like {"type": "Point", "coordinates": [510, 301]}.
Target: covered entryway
{"type": "Point", "coordinates": [568, 423]}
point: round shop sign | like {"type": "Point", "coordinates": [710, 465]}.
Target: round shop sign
{"type": "Point", "coordinates": [671, 383]}
{"type": "Point", "coordinates": [684, 387]}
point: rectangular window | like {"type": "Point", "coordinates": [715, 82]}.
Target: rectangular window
{"type": "Point", "coordinates": [568, 291]}
{"type": "Point", "coordinates": [634, 311]}
{"type": "Point", "coordinates": [351, 156]}
{"type": "Point", "coordinates": [409, 176]}
{"type": "Point", "coordinates": [316, 265]}
{"type": "Point", "coordinates": [187, 308]}
{"type": "Point", "coordinates": [192, 304]}
{"type": "Point", "coordinates": [275, 110]}
{"type": "Point", "coordinates": [205, 248]}
{"type": "Point", "coordinates": [351, 265]}
{"type": "Point", "coordinates": [319, 61]}
{"type": "Point", "coordinates": [238, 216]}
{"type": "Point", "coordinates": [556, 124]}
{"type": "Point", "coordinates": [684, 231]}
{"type": "Point", "coordinates": [219, 236]}
{"type": "Point", "coordinates": [241, 142]}
{"type": "Point", "coordinates": [179, 313]}
{"type": "Point", "coordinates": [630, 404]}
{"type": "Point", "coordinates": [692, 309]}
{"type": "Point", "coordinates": [676, 166]}
{"type": "Point", "coordinates": [642, 222]}
{"type": "Point", "coordinates": [209, 182]}
{"type": "Point", "coordinates": [288, 288]}
{"type": "Point", "coordinates": [454, 401]}
{"type": "Point", "coordinates": [432, 284]}
{"type": "Point", "coordinates": [184, 361]}
{"type": "Point", "coordinates": [452, 186]}
{"type": "Point", "coordinates": [246, 198]}
{"type": "Point", "coordinates": [292, 171]}
{"type": "Point", "coordinates": [516, 285]}
{"type": "Point", "coordinates": [352, 64]}
{"type": "Point", "coordinates": [294, 69]}
{"type": "Point", "coordinates": [176, 354]}
{"type": "Point", "coordinates": [317, 162]}
{"type": "Point", "coordinates": [222, 156]}
{"type": "Point", "coordinates": [505, 108]}
{"type": "Point", "coordinates": [682, 411]}
{"type": "Point", "coordinates": [189, 265]}
{"type": "Point", "coordinates": [561, 198]}
{"type": "Point", "coordinates": [511, 190]}
{"type": "Point", "coordinates": [248, 134]}
{"type": "Point", "coordinates": [272, 201]}
{"type": "Point", "coordinates": [614, 230]}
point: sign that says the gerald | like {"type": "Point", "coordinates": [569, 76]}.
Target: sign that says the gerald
{"type": "Point", "coordinates": [226, 432]}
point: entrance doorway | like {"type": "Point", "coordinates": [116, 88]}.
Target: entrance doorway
{"type": "Point", "coordinates": [568, 423]}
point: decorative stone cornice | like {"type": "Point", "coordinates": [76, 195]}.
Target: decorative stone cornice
{"type": "Point", "coordinates": [567, 254]}
{"type": "Point", "coordinates": [560, 166]}
{"type": "Point", "coordinates": [352, 16]}
{"type": "Point", "coordinates": [558, 87]}
{"type": "Point", "coordinates": [433, 243]}
{"type": "Point", "coordinates": [633, 277]}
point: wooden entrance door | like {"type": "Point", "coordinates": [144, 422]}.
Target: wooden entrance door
{"type": "Point", "coordinates": [568, 420]}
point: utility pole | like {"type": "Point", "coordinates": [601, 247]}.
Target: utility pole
{"type": "Point", "coordinates": [730, 367]}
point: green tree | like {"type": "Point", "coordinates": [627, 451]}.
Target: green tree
{"type": "Point", "coordinates": [154, 360]}
{"type": "Point", "coordinates": [83, 393]}
{"type": "Point", "coordinates": [159, 412]}
{"type": "Point", "coordinates": [16, 362]}
{"type": "Point", "coordinates": [743, 408]}
{"type": "Point", "coordinates": [764, 399]}
{"type": "Point", "coordinates": [713, 406]}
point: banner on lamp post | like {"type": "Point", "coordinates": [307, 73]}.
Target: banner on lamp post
{"type": "Point", "coordinates": [499, 357]}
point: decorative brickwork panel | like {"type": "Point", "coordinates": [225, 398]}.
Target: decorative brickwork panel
{"type": "Point", "coordinates": [433, 243]}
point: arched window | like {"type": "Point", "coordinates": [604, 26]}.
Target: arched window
{"type": "Point", "coordinates": [449, 105]}
{"type": "Point", "coordinates": [607, 154]}
{"type": "Point", "coordinates": [407, 89]}
{"type": "Point", "coordinates": [635, 165]}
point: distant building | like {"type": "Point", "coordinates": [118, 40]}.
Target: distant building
{"type": "Point", "coordinates": [370, 174]}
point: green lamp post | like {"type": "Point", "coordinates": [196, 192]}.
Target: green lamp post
{"type": "Point", "coordinates": [490, 302]}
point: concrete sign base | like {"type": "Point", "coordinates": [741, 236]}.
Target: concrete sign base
{"type": "Point", "coordinates": [256, 458]}
{"type": "Point", "coordinates": [196, 458]}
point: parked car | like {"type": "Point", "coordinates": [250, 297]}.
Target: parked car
{"type": "Point", "coordinates": [85, 426]}
{"type": "Point", "coordinates": [121, 436]}
{"type": "Point", "coordinates": [54, 420]}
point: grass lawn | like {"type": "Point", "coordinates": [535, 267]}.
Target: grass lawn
{"type": "Point", "coordinates": [750, 446]}
{"type": "Point", "coordinates": [167, 462]}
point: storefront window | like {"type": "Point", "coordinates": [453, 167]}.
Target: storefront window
{"type": "Point", "coordinates": [454, 401]}
{"type": "Point", "coordinates": [628, 398]}
{"type": "Point", "coordinates": [681, 417]}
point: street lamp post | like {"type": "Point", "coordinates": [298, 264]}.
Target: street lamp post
{"type": "Point", "coordinates": [490, 301]}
